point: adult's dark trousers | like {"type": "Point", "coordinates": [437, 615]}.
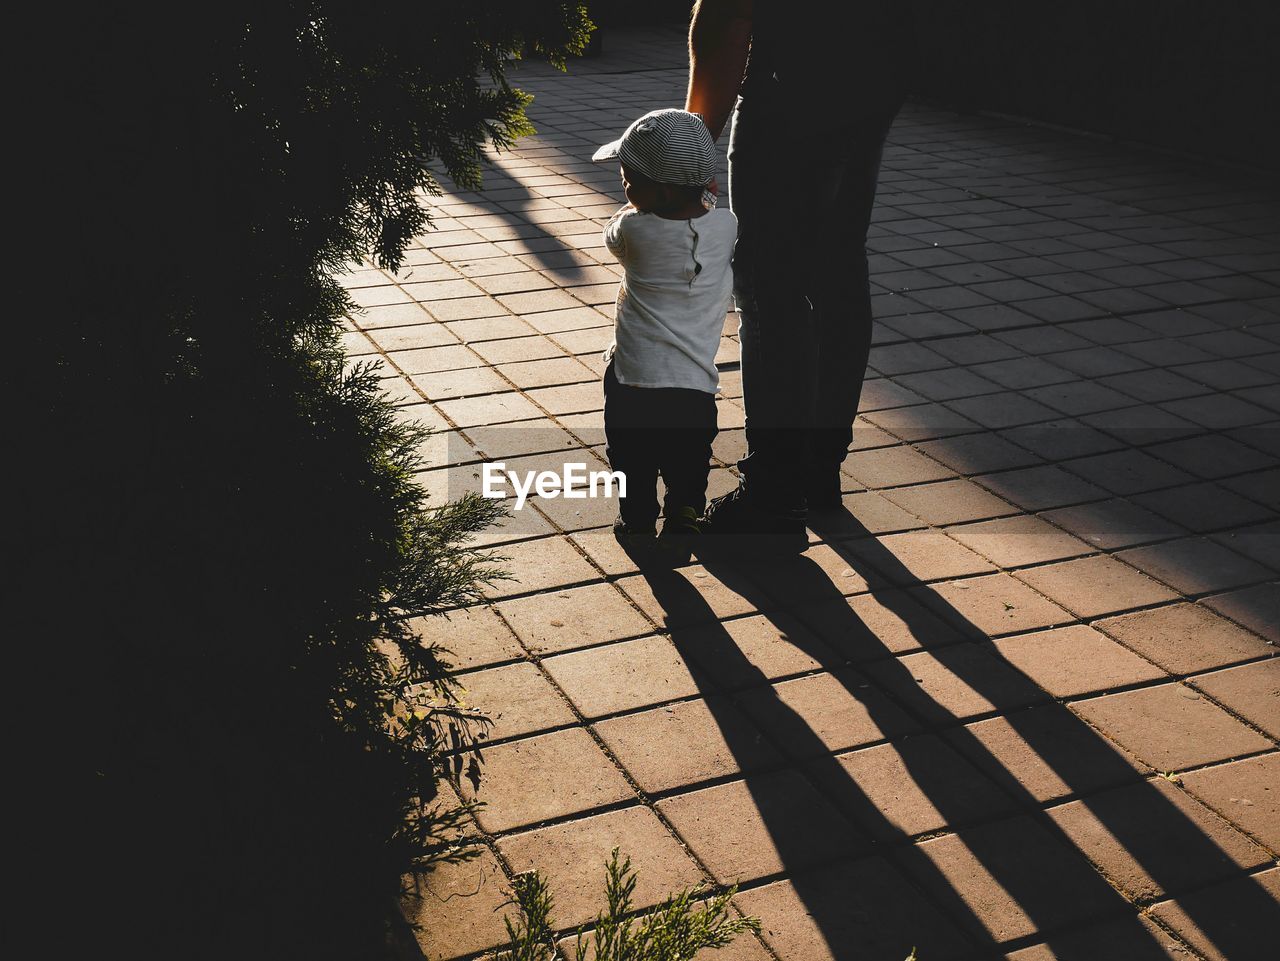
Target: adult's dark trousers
{"type": "Point", "coordinates": [654, 432]}
{"type": "Point", "coordinates": [802, 189]}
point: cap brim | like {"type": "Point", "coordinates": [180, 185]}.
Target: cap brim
{"type": "Point", "coordinates": [608, 152]}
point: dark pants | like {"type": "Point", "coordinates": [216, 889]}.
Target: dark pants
{"type": "Point", "coordinates": [654, 431]}
{"type": "Point", "coordinates": [802, 192]}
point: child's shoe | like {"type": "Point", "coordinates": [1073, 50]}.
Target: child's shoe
{"type": "Point", "coordinates": [679, 534]}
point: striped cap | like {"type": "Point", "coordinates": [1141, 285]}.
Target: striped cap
{"type": "Point", "coordinates": [669, 146]}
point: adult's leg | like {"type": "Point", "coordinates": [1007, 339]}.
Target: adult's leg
{"type": "Point", "coordinates": [784, 183]}
{"type": "Point", "coordinates": [841, 297]}
{"type": "Point", "coordinates": [629, 447]}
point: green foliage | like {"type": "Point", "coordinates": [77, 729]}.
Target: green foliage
{"type": "Point", "coordinates": [230, 540]}
{"type": "Point", "coordinates": [675, 930]}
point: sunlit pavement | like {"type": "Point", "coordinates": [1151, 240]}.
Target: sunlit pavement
{"type": "Point", "coordinates": [1018, 700]}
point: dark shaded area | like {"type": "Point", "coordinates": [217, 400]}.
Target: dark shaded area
{"type": "Point", "coordinates": [1196, 77]}
{"type": "Point", "coordinates": [225, 534]}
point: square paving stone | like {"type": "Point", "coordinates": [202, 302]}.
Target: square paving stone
{"type": "Point", "coordinates": [517, 526]}
{"type": "Point", "coordinates": [752, 651]}
{"type": "Point", "coordinates": [1066, 438]}
{"type": "Point", "coordinates": [978, 453]}
{"type": "Point", "coordinates": [1196, 565]}
{"type": "Point", "coordinates": [1018, 541]}
{"type": "Point", "coordinates": [1040, 488]}
{"type": "Point", "coordinates": [430, 360]}
{"type": "Point", "coordinates": [865, 513]}
{"type": "Point", "coordinates": [1261, 542]}
{"type": "Point", "coordinates": [879, 393]}
{"type": "Point", "coordinates": [544, 777]}
{"type": "Point", "coordinates": [1246, 793]}
{"type": "Point", "coordinates": [605, 551]}
{"type": "Point", "coordinates": [450, 384]}
{"type": "Point", "coordinates": [1204, 507]}
{"type": "Point", "coordinates": [1075, 660]}
{"type": "Point", "coordinates": [466, 308]}
{"type": "Point", "coordinates": [1010, 879]}
{"type": "Point", "coordinates": [745, 947]}
{"type": "Point", "coordinates": [1020, 373]}
{"type": "Point", "coordinates": [917, 556]}
{"type": "Point", "coordinates": [473, 636]}
{"type": "Point", "coordinates": [533, 347]}
{"type": "Point", "coordinates": [1232, 921]}
{"type": "Point", "coordinates": [878, 625]}
{"type": "Point", "coordinates": [950, 502]}
{"type": "Point", "coordinates": [921, 422]}
{"type": "Point", "coordinates": [397, 315]}
{"type": "Point", "coordinates": [1218, 411]}
{"type": "Point", "coordinates": [991, 606]}
{"type": "Point", "coordinates": [688, 596]}
{"type": "Point", "coordinates": [537, 301]}
{"type": "Point", "coordinates": [908, 787]}
{"type": "Point", "coordinates": [1127, 471]}
{"type": "Point", "coordinates": [1046, 753]}
{"type": "Point", "coordinates": [623, 676]}
{"type": "Point", "coordinates": [821, 573]}
{"type": "Point", "coordinates": [859, 911]}
{"type": "Point", "coordinates": [546, 373]}
{"type": "Point", "coordinates": [824, 713]}
{"type": "Point", "coordinates": [687, 743]}
{"type": "Point", "coordinates": [1079, 397]}
{"type": "Point", "coordinates": [1113, 524]}
{"type": "Point", "coordinates": [1001, 411]}
{"type": "Point", "coordinates": [414, 336]}
{"type": "Point", "coordinates": [1130, 939]}
{"type": "Point", "coordinates": [573, 514]}
{"type": "Point", "coordinates": [571, 857]}
{"type": "Point", "coordinates": [1171, 727]}
{"type": "Point", "coordinates": [1185, 638]}
{"type": "Point", "coordinates": [458, 908]}
{"type": "Point", "coordinates": [1153, 385]}
{"type": "Point", "coordinates": [1257, 608]}
{"type": "Point", "coordinates": [768, 824]}
{"type": "Point", "coordinates": [893, 467]}
{"type": "Point", "coordinates": [540, 565]}
{"type": "Point", "coordinates": [488, 409]}
{"type": "Point", "coordinates": [1251, 691]}
{"type": "Point", "coordinates": [516, 698]}
{"type": "Point", "coordinates": [947, 384]}
{"type": "Point", "coordinates": [1212, 455]}
{"type": "Point", "coordinates": [1093, 586]}
{"type": "Point", "coordinates": [1153, 840]}
{"type": "Point", "coordinates": [954, 683]}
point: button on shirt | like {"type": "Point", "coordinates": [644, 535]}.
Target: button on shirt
{"type": "Point", "coordinates": [672, 303]}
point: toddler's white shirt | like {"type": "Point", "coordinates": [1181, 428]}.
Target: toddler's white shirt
{"type": "Point", "coordinates": [672, 303]}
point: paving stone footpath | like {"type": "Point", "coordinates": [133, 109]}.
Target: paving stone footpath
{"type": "Point", "coordinates": [1019, 701]}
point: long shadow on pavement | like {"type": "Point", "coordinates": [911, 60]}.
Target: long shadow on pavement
{"type": "Point", "coordinates": [853, 885]}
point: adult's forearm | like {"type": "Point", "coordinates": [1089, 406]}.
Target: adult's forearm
{"type": "Point", "coordinates": [719, 40]}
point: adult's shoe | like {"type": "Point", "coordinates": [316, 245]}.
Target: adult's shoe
{"type": "Point", "coordinates": [734, 522]}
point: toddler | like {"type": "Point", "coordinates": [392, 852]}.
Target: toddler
{"type": "Point", "coordinates": [660, 381]}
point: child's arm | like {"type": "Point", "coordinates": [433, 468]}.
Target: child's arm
{"type": "Point", "coordinates": [613, 238]}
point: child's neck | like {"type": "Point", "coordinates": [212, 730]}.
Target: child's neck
{"type": "Point", "coordinates": [686, 210]}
